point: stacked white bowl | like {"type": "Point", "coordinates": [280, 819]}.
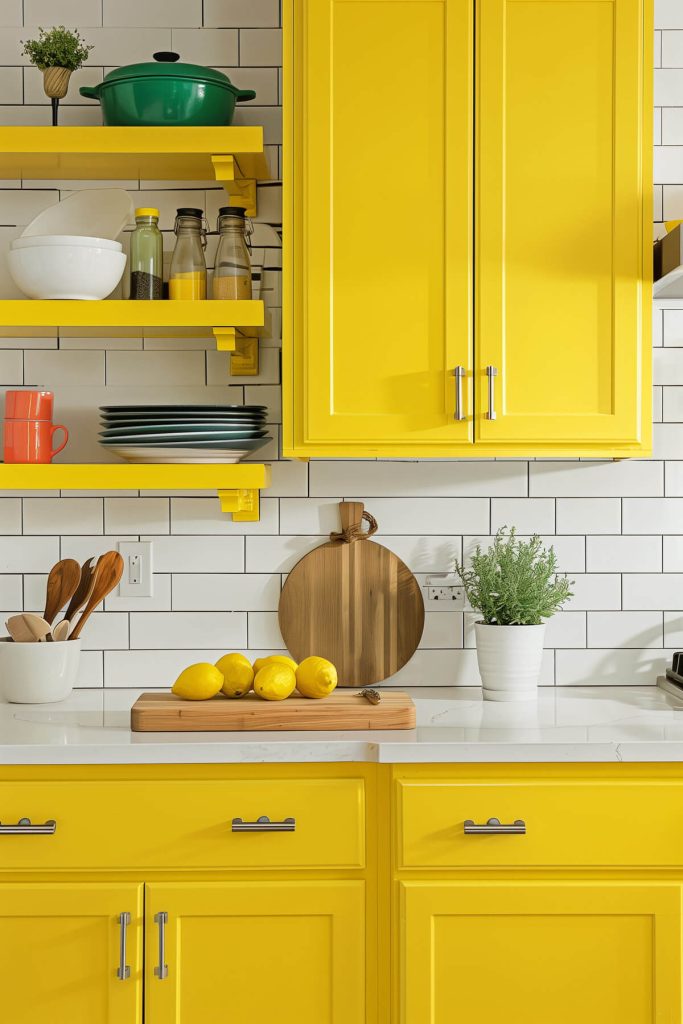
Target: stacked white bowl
{"type": "Point", "coordinates": [66, 266]}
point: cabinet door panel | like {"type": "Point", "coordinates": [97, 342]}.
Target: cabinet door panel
{"type": "Point", "coordinates": [380, 179]}
{"type": "Point", "coordinates": [59, 952]}
{"type": "Point", "coordinates": [562, 190]}
{"type": "Point", "coordinates": [529, 953]}
{"type": "Point", "coordinates": [290, 952]}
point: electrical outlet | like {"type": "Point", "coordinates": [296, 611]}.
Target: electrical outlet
{"type": "Point", "coordinates": [445, 588]}
{"type": "Point", "coordinates": [137, 579]}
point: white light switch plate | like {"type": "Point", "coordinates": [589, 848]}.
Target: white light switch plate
{"type": "Point", "coordinates": [137, 579]}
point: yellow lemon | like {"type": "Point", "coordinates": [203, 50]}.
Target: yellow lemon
{"type": "Point", "coordinates": [274, 682]}
{"type": "Point", "coordinates": [316, 677]}
{"type": "Point", "coordinates": [279, 659]}
{"type": "Point", "coordinates": [238, 675]}
{"type": "Point", "coordinates": [198, 682]}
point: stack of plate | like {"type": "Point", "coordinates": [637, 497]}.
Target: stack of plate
{"type": "Point", "coordinates": [183, 433]}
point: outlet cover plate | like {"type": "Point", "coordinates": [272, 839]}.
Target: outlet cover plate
{"type": "Point", "coordinates": [137, 579]}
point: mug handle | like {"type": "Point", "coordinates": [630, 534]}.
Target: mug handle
{"type": "Point", "coordinates": [56, 427]}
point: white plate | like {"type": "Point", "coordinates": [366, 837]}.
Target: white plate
{"type": "Point", "coordinates": [178, 456]}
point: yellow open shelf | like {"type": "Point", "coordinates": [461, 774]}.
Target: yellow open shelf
{"type": "Point", "coordinates": [238, 485]}
{"type": "Point", "coordinates": [184, 154]}
{"type": "Point", "coordinates": [118, 317]}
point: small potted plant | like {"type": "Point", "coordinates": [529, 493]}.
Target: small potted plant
{"type": "Point", "coordinates": [57, 53]}
{"type": "Point", "coordinates": [515, 586]}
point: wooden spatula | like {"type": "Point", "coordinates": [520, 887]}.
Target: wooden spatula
{"type": "Point", "coordinates": [108, 572]}
{"type": "Point", "coordinates": [87, 578]}
{"type": "Point", "coordinates": [62, 584]}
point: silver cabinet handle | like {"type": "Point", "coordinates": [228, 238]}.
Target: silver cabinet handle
{"type": "Point", "coordinates": [24, 828]}
{"type": "Point", "coordinates": [161, 970]}
{"type": "Point", "coordinates": [493, 827]}
{"type": "Point", "coordinates": [263, 824]}
{"type": "Point", "coordinates": [491, 373]}
{"type": "Point", "coordinates": [459, 373]}
{"type": "Point", "coordinates": [123, 970]}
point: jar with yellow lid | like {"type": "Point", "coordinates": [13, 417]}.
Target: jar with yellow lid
{"type": "Point", "coordinates": [146, 256]}
{"type": "Point", "coordinates": [187, 278]}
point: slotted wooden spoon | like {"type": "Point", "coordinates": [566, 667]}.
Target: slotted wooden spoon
{"type": "Point", "coordinates": [62, 584]}
{"type": "Point", "coordinates": [82, 593]}
{"type": "Point", "coordinates": [108, 572]}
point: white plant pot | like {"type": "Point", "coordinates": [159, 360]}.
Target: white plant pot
{"type": "Point", "coordinates": [38, 673]}
{"type": "Point", "coordinates": [509, 660]}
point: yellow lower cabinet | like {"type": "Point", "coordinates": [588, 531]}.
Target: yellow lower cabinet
{"type": "Point", "coordinates": [262, 952]}
{"type": "Point", "coordinates": [61, 953]}
{"type": "Point", "coordinates": [536, 952]}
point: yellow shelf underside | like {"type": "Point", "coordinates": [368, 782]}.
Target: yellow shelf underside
{"type": "Point", "coordinates": [123, 476]}
{"type": "Point", "coordinates": [185, 154]}
{"type": "Point", "coordinates": [121, 317]}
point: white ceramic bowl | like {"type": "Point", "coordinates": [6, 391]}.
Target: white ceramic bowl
{"type": "Point", "coordinates": [29, 241]}
{"type": "Point", "coordinates": [38, 673]}
{"type": "Point", "coordinates": [66, 271]}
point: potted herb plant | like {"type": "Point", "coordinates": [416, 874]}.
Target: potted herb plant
{"type": "Point", "coordinates": [516, 587]}
{"type": "Point", "coordinates": [57, 53]}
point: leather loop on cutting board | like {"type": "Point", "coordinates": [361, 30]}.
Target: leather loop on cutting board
{"type": "Point", "coordinates": [352, 515]}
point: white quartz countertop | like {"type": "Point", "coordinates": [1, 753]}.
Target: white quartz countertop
{"type": "Point", "coordinates": [594, 724]}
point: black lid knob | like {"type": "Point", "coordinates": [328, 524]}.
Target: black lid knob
{"type": "Point", "coordinates": [166, 56]}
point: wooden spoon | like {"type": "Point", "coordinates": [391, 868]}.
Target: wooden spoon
{"type": "Point", "coordinates": [108, 572]}
{"type": "Point", "coordinates": [18, 630]}
{"type": "Point", "coordinates": [36, 625]}
{"type": "Point", "coordinates": [60, 631]}
{"type": "Point", "coordinates": [62, 584]}
{"type": "Point", "coordinates": [83, 590]}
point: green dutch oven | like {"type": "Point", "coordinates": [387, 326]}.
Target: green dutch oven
{"type": "Point", "coordinates": [166, 93]}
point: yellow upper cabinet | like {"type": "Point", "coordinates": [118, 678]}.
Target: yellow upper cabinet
{"type": "Point", "coordinates": [562, 157]}
{"type": "Point", "coordinates": [379, 228]}
{"type": "Point", "coordinates": [424, 244]}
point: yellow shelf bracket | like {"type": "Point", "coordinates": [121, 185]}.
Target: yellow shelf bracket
{"type": "Point", "coordinates": [224, 168]}
{"type": "Point", "coordinates": [242, 502]}
{"type": "Point", "coordinates": [244, 190]}
{"type": "Point", "coordinates": [226, 338]}
{"type": "Point", "coordinates": [244, 361]}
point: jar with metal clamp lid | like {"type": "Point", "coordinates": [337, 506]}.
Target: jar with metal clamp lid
{"type": "Point", "coordinates": [232, 271]}
{"type": "Point", "coordinates": [187, 278]}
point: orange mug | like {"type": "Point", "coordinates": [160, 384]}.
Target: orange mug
{"type": "Point", "coordinates": [31, 440]}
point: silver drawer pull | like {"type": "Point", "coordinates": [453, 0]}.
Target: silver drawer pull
{"type": "Point", "coordinates": [493, 827]}
{"type": "Point", "coordinates": [24, 828]}
{"type": "Point", "coordinates": [123, 970]}
{"type": "Point", "coordinates": [459, 373]}
{"type": "Point", "coordinates": [491, 373]}
{"type": "Point", "coordinates": [161, 970]}
{"type": "Point", "coordinates": [263, 824]}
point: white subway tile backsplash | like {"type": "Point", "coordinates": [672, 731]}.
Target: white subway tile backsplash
{"type": "Point", "coordinates": [218, 47]}
{"type": "Point", "coordinates": [261, 47]}
{"type": "Point", "coordinates": [596, 479]}
{"type": "Point", "coordinates": [105, 631]}
{"type": "Point", "coordinates": [419, 479]}
{"type": "Point", "coordinates": [442, 630]}
{"type": "Point", "coordinates": [527, 515]}
{"type": "Point", "coordinates": [277, 554]}
{"type": "Point", "coordinates": [84, 369]}
{"type": "Point", "coordinates": [204, 516]}
{"type": "Point", "coordinates": [158, 602]}
{"type": "Point", "coordinates": [241, 13]}
{"type": "Point", "coordinates": [136, 515]}
{"type": "Point", "coordinates": [653, 591]}
{"type": "Point", "coordinates": [588, 515]}
{"type": "Point", "coordinates": [197, 554]}
{"type": "Point", "coordinates": [129, 13]}
{"type": "Point", "coordinates": [668, 14]}
{"type": "Point", "coordinates": [595, 591]}
{"type": "Point", "coordinates": [625, 629]}
{"type": "Point", "coordinates": [673, 554]}
{"type": "Point", "coordinates": [264, 631]}
{"type": "Point", "coordinates": [226, 592]}
{"type": "Point", "coordinates": [62, 515]}
{"type": "Point", "coordinates": [150, 669]}
{"type": "Point", "coordinates": [73, 13]}
{"type": "Point", "coordinates": [624, 554]}
{"type": "Point", "coordinates": [652, 515]}
{"type": "Point", "coordinates": [164, 630]}
{"type": "Point", "coordinates": [673, 630]}
{"type": "Point", "coordinates": [173, 367]}
{"type": "Point", "coordinates": [612, 668]}
{"type": "Point", "coordinates": [570, 551]}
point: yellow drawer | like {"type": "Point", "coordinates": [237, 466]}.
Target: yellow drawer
{"type": "Point", "coordinates": [184, 824]}
{"type": "Point", "coordinates": [572, 823]}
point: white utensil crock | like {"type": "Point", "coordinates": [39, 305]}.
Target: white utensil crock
{"type": "Point", "coordinates": [38, 673]}
{"type": "Point", "coordinates": [509, 660]}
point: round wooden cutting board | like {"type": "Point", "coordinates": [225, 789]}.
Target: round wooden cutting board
{"type": "Point", "coordinates": [353, 602]}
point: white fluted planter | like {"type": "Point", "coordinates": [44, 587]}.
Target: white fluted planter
{"type": "Point", "coordinates": [510, 660]}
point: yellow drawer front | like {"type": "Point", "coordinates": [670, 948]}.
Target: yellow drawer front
{"type": "Point", "coordinates": [184, 824]}
{"type": "Point", "coordinates": [567, 824]}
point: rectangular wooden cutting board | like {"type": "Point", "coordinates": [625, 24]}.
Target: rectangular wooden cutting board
{"type": "Point", "coordinates": [343, 710]}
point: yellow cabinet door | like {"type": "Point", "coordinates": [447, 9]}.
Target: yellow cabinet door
{"type": "Point", "coordinates": [378, 223]}
{"type": "Point", "coordinates": [536, 952]}
{"type": "Point", "coordinates": [60, 953]}
{"type": "Point", "coordinates": [563, 157]}
{"type": "Point", "coordinates": [291, 952]}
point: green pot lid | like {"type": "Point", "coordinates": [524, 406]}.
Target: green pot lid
{"type": "Point", "coordinates": [167, 64]}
